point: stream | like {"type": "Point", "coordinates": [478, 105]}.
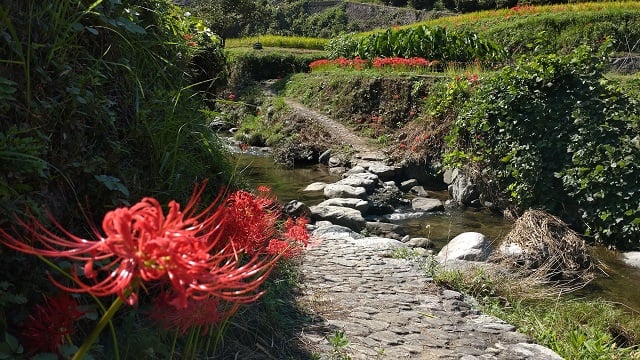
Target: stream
{"type": "Point", "coordinates": [257, 168]}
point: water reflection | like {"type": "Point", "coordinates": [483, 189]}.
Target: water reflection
{"type": "Point", "coordinates": [443, 226]}
{"type": "Point", "coordinates": [259, 169]}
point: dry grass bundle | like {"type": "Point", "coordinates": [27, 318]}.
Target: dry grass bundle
{"type": "Point", "coordinates": [544, 247]}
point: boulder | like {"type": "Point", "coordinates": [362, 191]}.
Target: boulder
{"type": "Point", "coordinates": [337, 170]}
{"type": "Point", "coordinates": [365, 180]}
{"type": "Point", "coordinates": [427, 204]}
{"type": "Point", "coordinates": [379, 243]}
{"type": "Point", "coordinates": [316, 186]}
{"type": "Point", "coordinates": [339, 215]}
{"type": "Point", "coordinates": [334, 232]}
{"type": "Point", "coordinates": [470, 246]}
{"type": "Point", "coordinates": [420, 243]}
{"type": "Point", "coordinates": [385, 172]}
{"type": "Point", "coordinates": [631, 258]}
{"type": "Point", "coordinates": [324, 157]}
{"type": "Point", "coordinates": [335, 162]}
{"type": "Point", "coordinates": [450, 175]}
{"type": "Point", "coordinates": [387, 230]}
{"type": "Point", "coordinates": [344, 191]}
{"type": "Point", "coordinates": [385, 200]}
{"type": "Point", "coordinates": [419, 190]}
{"type": "Point", "coordinates": [408, 184]}
{"type": "Point", "coordinates": [296, 208]}
{"type": "Point", "coordinates": [358, 204]}
{"type": "Point", "coordinates": [463, 191]}
{"type": "Point", "coordinates": [355, 170]}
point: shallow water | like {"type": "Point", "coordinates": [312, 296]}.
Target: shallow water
{"type": "Point", "coordinates": [622, 284]}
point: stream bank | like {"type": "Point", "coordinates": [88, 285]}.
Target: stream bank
{"type": "Point", "coordinates": [258, 168]}
{"type": "Point", "coordinates": [383, 307]}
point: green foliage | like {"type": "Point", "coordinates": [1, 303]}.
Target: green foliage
{"type": "Point", "coordinates": [327, 23]}
{"type": "Point", "coordinates": [605, 168]}
{"type": "Point", "coordinates": [551, 134]}
{"type": "Point", "coordinates": [567, 26]}
{"type": "Point", "coordinates": [226, 17]}
{"type": "Point", "coordinates": [247, 66]}
{"type": "Point", "coordinates": [372, 104]}
{"type": "Point", "coordinates": [338, 342]}
{"type": "Point", "coordinates": [21, 169]}
{"type": "Point", "coordinates": [574, 328]}
{"type": "Point", "coordinates": [99, 105]}
{"type": "Point", "coordinates": [87, 94]}
{"type": "Point", "coordinates": [432, 43]}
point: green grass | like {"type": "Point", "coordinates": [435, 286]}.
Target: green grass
{"type": "Point", "coordinates": [486, 19]}
{"type": "Point", "coordinates": [564, 25]}
{"type": "Point", "coordinates": [297, 42]}
{"type": "Point", "coordinates": [575, 328]}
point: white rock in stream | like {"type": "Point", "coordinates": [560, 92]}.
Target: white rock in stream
{"type": "Point", "coordinates": [316, 186]}
{"type": "Point", "coordinates": [631, 258]}
{"type": "Point", "coordinates": [471, 246]}
{"type": "Point", "coordinates": [344, 191]}
{"type": "Point", "coordinates": [358, 204]}
{"type": "Point", "coordinates": [339, 215]}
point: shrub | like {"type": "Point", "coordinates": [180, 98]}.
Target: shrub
{"type": "Point", "coordinates": [550, 133]}
{"type": "Point", "coordinates": [247, 66]}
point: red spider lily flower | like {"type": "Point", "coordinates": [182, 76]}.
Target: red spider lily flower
{"type": "Point", "coordinates": [296, 239]}
{"type": "Point", "coordinates": [251, 220]}
{"type": "Point", "coordinates": [288, 249]}
{"type": "Point", "coordinates": [141, 244]}
{"type": "Point", "coordinates": [317, 64]}
{"type": "Point", "coordinates": [296, 230]}
{"type": "Point", "coordinates": [50, 324]}
{"type": "Point", "coordinates": [204, 313]}
{"type": "Point", "coordinates": [187, 37]}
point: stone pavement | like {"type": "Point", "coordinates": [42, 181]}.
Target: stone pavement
{"type": "Point", "coordinates": [389, 309]}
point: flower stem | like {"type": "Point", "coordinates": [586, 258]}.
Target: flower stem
{"type": "Point", "coordinates": [106, 319]}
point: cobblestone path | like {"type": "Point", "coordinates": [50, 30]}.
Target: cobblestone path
{"type": "Point", "coordinates": [389, 309]}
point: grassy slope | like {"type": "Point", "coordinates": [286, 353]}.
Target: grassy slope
{"type": "Point", "coordinates": [565, 25]}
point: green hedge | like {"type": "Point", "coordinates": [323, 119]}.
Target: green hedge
{"type": "Point", "coordinates": [247, 65]}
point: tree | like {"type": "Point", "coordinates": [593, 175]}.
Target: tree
{"type": "Point", "coordinates": [227, 18]}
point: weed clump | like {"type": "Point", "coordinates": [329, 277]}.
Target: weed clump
{"type": "Point", "coordinates": [544, 246]}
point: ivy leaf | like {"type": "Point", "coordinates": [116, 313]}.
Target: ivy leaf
{"type": "Point", "coordinates": [112, 183]}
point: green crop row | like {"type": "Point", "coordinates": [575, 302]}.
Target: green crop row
{"type": "Point", "coordinates": [299, 42]}
{"type": "Point", "coordinates": [433, 43]}
{"type": "Point", "coordinates": [565, 26]}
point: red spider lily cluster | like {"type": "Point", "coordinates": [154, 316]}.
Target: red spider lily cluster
{"type": "Point", "coordinates": [524, 9]}
{"type": "Point", "coordinates": [204, 263]}
{"type": "Point", "coordinates": [50, 323]}
{"type": "Point", "coordinates": [378, 63]}
{"type": "Point", "coordinates": [203, 313]}
{"type": "Point", "coordinates": [341, 62]}
{"type": "Point", "coordinates": [415, 62]}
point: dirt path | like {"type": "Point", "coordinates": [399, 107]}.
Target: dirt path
{"type": "Point", "coordinates": [343, 135]}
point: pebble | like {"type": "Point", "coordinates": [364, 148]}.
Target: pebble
{"type": "Point", "coordinates": [389, 309]}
